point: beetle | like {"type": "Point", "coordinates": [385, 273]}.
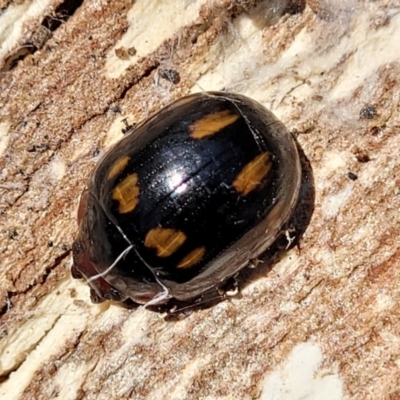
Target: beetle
{"type": "Point", "coordinates": [186, 200]}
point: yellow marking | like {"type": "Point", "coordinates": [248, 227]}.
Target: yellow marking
{"type": "Point", "coordinates": [127, 194]}
{"type": "Point", "coordinates": [118, 167]}
{"type": "Point", "coordinates": [253, 173]}
{"type": "Point", "coordinates": [165, 241]}
{"type": "Point", "coordinates": [192, 258]}
{"type": "Point", "coordinates": [212, 123]}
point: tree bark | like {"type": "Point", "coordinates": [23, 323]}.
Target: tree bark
{"type": "Point", "coordinates": [323, 321]}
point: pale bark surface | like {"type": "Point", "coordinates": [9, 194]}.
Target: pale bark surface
{"type": "Point", "coordinates": [324, 321]}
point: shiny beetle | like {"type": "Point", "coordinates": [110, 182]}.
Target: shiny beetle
{"type": "Point", "coordinates": [186, 200]}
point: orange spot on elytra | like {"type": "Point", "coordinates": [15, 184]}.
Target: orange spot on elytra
{"type": "Point", "coordinates": [211, 124]}
{"type": "Point", "coordinates": [127, 194]}
{"type": "Point", "coordinates": [192, 258]}
{"type": "Point", "coordinates": [253, 173]}
{"type": "Point", "coordinates": [118, 167]}
{"type": "Point", "coordinates": [165, 241]}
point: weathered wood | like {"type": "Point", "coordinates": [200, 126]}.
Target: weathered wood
{"type": "Point", "coordinates": [324, 322]}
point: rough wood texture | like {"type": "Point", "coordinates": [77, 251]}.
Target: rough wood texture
{"type": "Point", "coordinates": [324, 322]}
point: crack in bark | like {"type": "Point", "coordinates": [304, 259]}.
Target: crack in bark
{"type": "Point", "coordinates": [41, 279]}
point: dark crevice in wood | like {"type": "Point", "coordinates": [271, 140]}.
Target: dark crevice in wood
{"type": "Point", "coordinates": [41, 279]}
{"type": "Point", "coordinates": [61, 14]}
{"type": "Point", "coordinates": [44, 31]}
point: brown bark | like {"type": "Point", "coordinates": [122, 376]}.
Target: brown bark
{"type": "Point", "coordinates": [326, 313]}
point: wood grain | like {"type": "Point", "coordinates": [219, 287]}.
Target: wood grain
{"type": "Point", "coordinates": [324, 321]}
